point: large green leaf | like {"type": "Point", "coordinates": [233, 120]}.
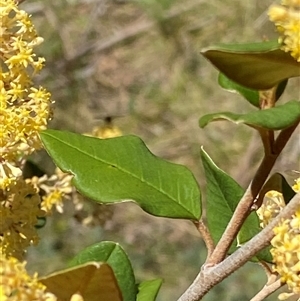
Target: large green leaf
{"type": "Point", "coordinates": [122, 169]}
{"type": "Point", "coordinates": [258, 66]}
{"type": "Point", "coordinates": [251, 95]}
{"type": "Point", "coordinates": [275, 118]}
{"type": "Point", "coordinates": [148, 290]}
{"type": "Point", "coordinates": [94, 281]}
{"type": "Point", "coordinates": [112, 254]}
{"type": "Point", "coordinates": [223, 195]}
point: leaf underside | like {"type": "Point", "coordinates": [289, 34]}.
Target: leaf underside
{"type": "Point", "coordinates": [258, 66]}
{"type": "Point", "coordinates": [94, 281]}
{"type": "Point", "coordinates": [114, 255]}
{"type": "Point", "coordinates": [252, 96]}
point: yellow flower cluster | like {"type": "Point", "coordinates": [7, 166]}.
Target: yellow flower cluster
{"type": "Point", "coordinates": [285, 252]}
{"type": "Point", "coordinates": [21, 206]}
{"type": "Point", "coordinates": [19, 211]}
{"type": "Point", "coordinates": [24, 109]}
{"type": "Point", "coordinates": [287, 20]}
{"type": "Point", "coordinates": [24, 112]}
{"type": "Point", "coordinates": [271, 206]}
{"type": "Point", "coordinates": [56, 187]}
{"type": "Point", "coordinates": [17, 285]}
{"type": "Point", "coordinates": [286, 242]}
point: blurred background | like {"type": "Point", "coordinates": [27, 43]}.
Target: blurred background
{"type": "Point", "coordinates": [139, 62]}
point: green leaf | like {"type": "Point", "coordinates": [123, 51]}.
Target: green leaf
{"type": "Point", "coordinates": [94, 281]}
{"type": "Point", "coordinates": [148, 290]}
{"type": "Point", "coordinates": [258, 66]}
{"type": "Point", "coordinates": [112, 254]}
{"type": "Point", "coordinates": [251, 95]}
{"type": "Point", "coordinates": [222, 196]}
{"type": "Point", "coordinates": [275, 118]}
{"type": "Point", "coordinates": [123, 169]}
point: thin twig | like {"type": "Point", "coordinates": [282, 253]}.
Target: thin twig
{"type": "Point", "coordinates": [203, 230]}
{"type": "Point", "coordinates": [267, 100]}
{"type": "Point", "coordinates": [267, 137]}
{"type": "Point", "coordinates": [267, 290]}
{"type": "Point", "coordinates": [243, 208]}
{"type": "Point", "coordinates": [209, 275]}
{"type": "Point", "coordinates": [284, 136]}
{"type": "Point", "coordinates": [267, 270]}
{"type": "Point", "coordinates": [269, 161]}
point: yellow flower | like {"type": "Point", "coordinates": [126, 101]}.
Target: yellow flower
{"type": "Point", "coordinates": [8, 175]}
{"type": "Point", "coordinates": [55, 189]}
{"type": "Point", "coordinates": [287, 20]}
{"type": "Point", "coordinates": [271, 206]}
{"type": "Point", "coordinates": [286, 242]}
{"type": "Point", "coordinates": [53, 198]}
{"type": "Point", "coordinates": [285, 252]}
{"type": "Point", "coordinates": [17, 285]}
{"type": "Point", "coordinates": [296, 186]}
{"type": "Point", "coordinates": [106, 131]}
{"type": "Point", "coordinates": [19, 211]}
{"type": "Point", "coordinates": [24, 109]}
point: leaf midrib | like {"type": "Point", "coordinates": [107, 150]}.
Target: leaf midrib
{"type": "Point", "coordinates": [124, 171]}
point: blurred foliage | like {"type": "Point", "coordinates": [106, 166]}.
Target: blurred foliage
{"type": "Point", "coordinates": [139, 62]}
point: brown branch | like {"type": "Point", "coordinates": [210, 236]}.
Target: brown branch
{"type": "Point", "coordinates": [267, 100]}
{"type": "Point", "coordinates": [244, 207]}
{"type": "Point", "coordinates": [203, 230]}
{"type": "Point", "coordinates": [267, 290]}
{"type": "Point", "coordinates": [267, 137]}
{"type": "Point", "coordinates": [209, 275]}
{"type": "Point", "coordinates": [242, 211]}
{"type": "Point", "coordinates": [284, 137]}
